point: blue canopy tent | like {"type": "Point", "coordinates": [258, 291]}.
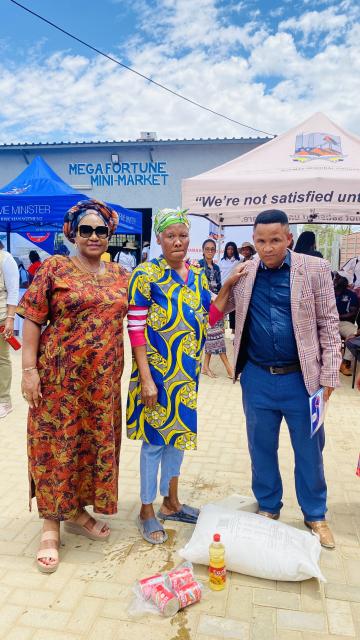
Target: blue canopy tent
{"type": "Point", "coordinates": [37, 199]}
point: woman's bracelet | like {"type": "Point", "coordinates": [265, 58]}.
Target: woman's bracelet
{"type": "Point", "coordinates": [12, 317]}
{"type": "Point", "coordinates": [29, 368]}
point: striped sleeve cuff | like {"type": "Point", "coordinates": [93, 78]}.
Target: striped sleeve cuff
{"type": "Point", "coordinates": [136, 325]}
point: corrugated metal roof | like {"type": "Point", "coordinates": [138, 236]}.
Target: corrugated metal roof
{"type": "Point", "coordinates": [119, 143]}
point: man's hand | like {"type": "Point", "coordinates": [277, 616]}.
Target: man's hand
{"type": "Point", "coordinates": [327, 393]}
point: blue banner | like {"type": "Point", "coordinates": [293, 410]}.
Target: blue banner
{"type": "Point", "coordinates": [44, 240]}
{"type": "Point", "coordinates": [38, 199]}
{"type": "Point", "coordinates": [20, 214]}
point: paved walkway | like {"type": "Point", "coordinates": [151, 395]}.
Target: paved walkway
{"type": "Point", "coordinates": [88, 596]}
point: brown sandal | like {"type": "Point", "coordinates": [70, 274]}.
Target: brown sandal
{"type": "Point", "coordinates": [49, 548]}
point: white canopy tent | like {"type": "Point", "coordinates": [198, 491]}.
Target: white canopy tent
{"type": "Point", "coordinates": [312, 172]}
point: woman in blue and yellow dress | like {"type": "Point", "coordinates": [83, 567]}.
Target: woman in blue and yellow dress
{"type": "Point", "coordinates": [169, 302]}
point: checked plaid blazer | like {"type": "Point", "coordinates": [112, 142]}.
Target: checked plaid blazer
{"type": "Point", "coordinates": [314, 316]}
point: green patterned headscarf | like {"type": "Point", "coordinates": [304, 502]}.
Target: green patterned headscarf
{"type": "Point", "coordinates": [166, 217]}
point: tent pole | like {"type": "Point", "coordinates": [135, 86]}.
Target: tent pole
{"type": "Point", "coordinates": [8, 237]}
{"type": "Point", "coordinates": [220, 229]}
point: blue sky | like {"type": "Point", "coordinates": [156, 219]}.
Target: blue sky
{"type": "Point", "coordinates": [268, 64]}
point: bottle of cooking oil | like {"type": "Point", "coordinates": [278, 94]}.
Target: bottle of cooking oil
{"type": "Point", "coordinates": [217, 570]}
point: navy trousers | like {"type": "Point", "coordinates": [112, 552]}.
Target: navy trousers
{"type": "Point", "coordinates": [268, 398]}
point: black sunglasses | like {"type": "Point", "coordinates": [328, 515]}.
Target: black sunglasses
{"type": "Point", "coordinates": [86, 231]}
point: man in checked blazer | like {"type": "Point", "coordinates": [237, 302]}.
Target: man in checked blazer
{"type": "Point", "coordinates": [287, 346]}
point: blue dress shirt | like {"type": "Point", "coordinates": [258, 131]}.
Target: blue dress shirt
{"type": "Point", "coordinates": [270, 334]}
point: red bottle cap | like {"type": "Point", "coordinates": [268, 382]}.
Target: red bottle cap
{"type": "Point", "coordinates": [216, 537]}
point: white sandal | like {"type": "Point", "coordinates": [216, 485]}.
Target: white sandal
{"type": "Point", "coordinates": [51, 539]}
{"type": "Point", "coordinates": [81, 530]}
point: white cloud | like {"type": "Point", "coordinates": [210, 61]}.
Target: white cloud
{"type": "Point", "coordinates": [214, 62]}
{"type": "Point", "coordinates": [329, 24]}
{"type": "Point", "coordinates": [276, 13]}
{"type": "Point", "coordinates": [180, 27]}
{"type": "Point", "coordinates": [276, 56]}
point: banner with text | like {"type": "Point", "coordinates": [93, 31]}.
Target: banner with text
{"type": "Point", "coordinates": [312, 172]}
{"type": "Point", "coordinates": [122, 174]}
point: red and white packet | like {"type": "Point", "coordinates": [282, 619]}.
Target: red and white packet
{"type": "Point", "coordinates": [167, 592]}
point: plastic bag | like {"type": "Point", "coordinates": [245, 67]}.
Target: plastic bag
{"type": "Point", "coordinates": [255, 545]}
{"type": "Point", "coordinates": [166, 593]}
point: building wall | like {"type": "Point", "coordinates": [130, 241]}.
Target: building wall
{"type": "Point", "coordinates": [350, 247]}
{"type": "Point", "coordinates": [88, 167]}
{"type": "Point", "coordinates": [181, 159]}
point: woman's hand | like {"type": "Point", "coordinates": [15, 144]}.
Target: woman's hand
{"type": "Point", "coordinates": [236, 273]}
{"type": "Point", "coordinates": [149, 392]}
{"type": "Point", "coordinates": [31, 387]}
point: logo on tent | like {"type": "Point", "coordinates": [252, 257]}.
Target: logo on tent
{"type": "Point", "coordinates": [316, 146]}
{"type": "Point", "coordinates": [38, 239]}
{"type": "Point", "coordinates": [15, 191]}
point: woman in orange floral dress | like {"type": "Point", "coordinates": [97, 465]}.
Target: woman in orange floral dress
{"type": "Point", "coordinates": [71, 380]}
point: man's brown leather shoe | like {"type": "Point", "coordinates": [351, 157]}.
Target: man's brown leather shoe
{"type": "Point", "coordinates": [266, 514]}
{"type": "Point", "coordinates": [323, 530]}
{"type": "Point", "coordinates": [345, 369]}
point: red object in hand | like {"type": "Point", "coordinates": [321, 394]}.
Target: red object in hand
{"type": "Point", "coordinates": [13, 342]}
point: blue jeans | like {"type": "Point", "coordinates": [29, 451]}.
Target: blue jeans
{"type": "Point", "coordinates": [268, 398]}
{"type": "Point", "coordinates": [150, 458]}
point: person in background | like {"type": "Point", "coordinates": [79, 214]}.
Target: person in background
{"type": "Point", "coordinates": [23, 285]}
{"type": "Point", "coordinates": [287, 346]}
{"type": "Point", "coordinates": [228, 261]}
{"type": "Point", "coordinates": [35, 264]}
{"type": "Point", "coordinates": [145, 254]}
{"type": "Point", "coordinates": [306, 243]}
{"type": "Point", "coordinates": [247, 250]}
{"type": "Point", "coordinates": [23, 276]}
{"type": "Point", "coordinates": [126, 258]}
{"type": "Point", "coordinates": [73, 355]}
{"type": "Point", "coordinates": [215, 338]}
{"type": "Point", "coordinates": [9, 295]}
{"type": "Point", "coordinates": [106, 257]}
{"type": "Point", "coordinates": [352, 267]}
{"type": "Point", "coordinates": [348, 308]}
